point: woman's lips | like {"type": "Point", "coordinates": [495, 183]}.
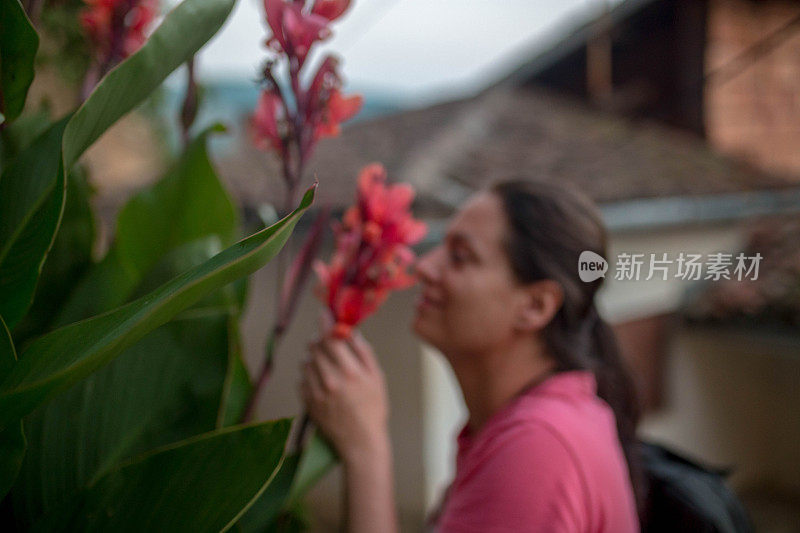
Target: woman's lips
{"type": "Point", "coordinates": [426, 302]}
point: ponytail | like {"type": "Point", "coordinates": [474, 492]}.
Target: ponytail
{"type": "Point", "coordinates": [616, 387]}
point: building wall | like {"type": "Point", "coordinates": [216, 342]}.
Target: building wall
{"type": "Point", "coordinates": [732, 400]}
{"type": "Point", "coordinates": [755, 114]}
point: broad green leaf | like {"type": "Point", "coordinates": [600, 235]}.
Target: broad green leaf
{"type": "Point", "coordinates": [180, 35]}
{"type": "Point", "coordinates": [188, 203]}
{"type": "Point", "coordinates": [8, 354]}
{"type": "Point", "coordinates": [12, 452]}
{"type": "Point", "coordinates": [316, 460]}
{"type": "Point", "coordinates": [61, 358]}
{"type": "Point", "coordinates": [69, 259]}
{"type": "Point", "coordinates": [269, 505]}
{"type": "Point", "coordinates": [12, 439]}
{"type": "Point", "coordinates": [20, 268]}
{"type": "Point", "coordinates": [296, 476]}
{"type": "Point", "coordinates": [165, 388]}
{"type": "Point", "coordinates": [18, 135]}
{"type": "Point", "coordinates": [237, 387]}
{"type": "Point", "coordinates": [202, 484]}
{"type": "Point", "coordinates": [29, 212]}
{"type": "Point", "coordinates": [105, 286]}
{"type": "Point", "coordinates": [18, 45]}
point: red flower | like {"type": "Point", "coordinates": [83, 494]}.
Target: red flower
{"type": "Point", "coordinates": [372, 252]}
{"type": "Point", "coordinates": [325, 107]}
{"type": "Point", "coordinates": [338, 109]}
{"type": "Point", "coordinates": [294, 30]}
{"type": "Point", "coordinates": [330, 9]}
{"type": "Point", "coordinates": [265, 122]}
{"type": "Point", "coordinates": [132, 19]}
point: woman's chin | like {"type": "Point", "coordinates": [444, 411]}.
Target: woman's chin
{"type": "Point", "coordinates": [422, 328]}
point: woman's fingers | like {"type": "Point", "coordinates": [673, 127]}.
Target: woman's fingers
{"type": "Point", "coordinates": [325, 369]}
{"type": "Point", "coordinates": [363, 351]}
{"type": "Point", "coordinates": [341, 355]}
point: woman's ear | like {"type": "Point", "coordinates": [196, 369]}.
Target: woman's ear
{"type": "Point", "coordinates": [541, 302]}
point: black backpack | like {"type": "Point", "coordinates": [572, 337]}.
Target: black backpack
{"type": "Point", "coordinates": [684, 496]}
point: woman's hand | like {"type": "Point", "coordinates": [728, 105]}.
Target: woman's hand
{"type": "Point", "coordinates": [345, 395]}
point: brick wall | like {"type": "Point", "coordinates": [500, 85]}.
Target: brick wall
{"type": "Point", "coordinates": [756, 114]}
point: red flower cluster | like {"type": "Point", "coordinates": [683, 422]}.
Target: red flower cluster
{"type": "Point", "coordinates": [316, 112]}
{"type": "Point", "coordinates": [372, 252]}
{"type": "Point", "coordinates": [117, 27]}
{"type": "Point", "coordinates": [296, 26]}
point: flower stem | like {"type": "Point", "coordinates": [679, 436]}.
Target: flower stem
{"type": "Point", "coordinates": [300, 436]}
{"type": "Point", "coordinates": [189, 108]}
{"type": "Point", "coordinates": [263, 377]}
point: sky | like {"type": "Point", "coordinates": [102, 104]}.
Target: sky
{"type": "Point", "coordinates": [408, 47]}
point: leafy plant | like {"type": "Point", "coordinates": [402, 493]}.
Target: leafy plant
{"type": "Point", "coordinates": [121, 379]}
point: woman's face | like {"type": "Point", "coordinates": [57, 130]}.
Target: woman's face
{"type": "Point", "coordinates": [470, 298]}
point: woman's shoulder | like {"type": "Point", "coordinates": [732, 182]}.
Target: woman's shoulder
{"type": "Point", "coordinates": [562, 419]}
{"type": "Point", "coordinates": [566, 404]}
{"type": "Point", "coordinates": [523, 474]}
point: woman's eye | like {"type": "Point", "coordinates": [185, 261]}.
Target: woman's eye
{"type": "Point", "coordinates": [458, 257]}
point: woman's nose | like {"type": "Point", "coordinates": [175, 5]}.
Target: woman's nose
{"type": "Point", "coordinates": [425, 266]}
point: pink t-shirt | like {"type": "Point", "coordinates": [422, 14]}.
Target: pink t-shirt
{"type": "Point", "coordinates": [549, 461]}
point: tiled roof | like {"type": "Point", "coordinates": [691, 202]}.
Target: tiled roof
{"type": "Point", "coordinates": [773, 297]}
{"type": "Point", "coordinates": [527, 132]}
{"type": "Point", "coordinates": [610, 158]}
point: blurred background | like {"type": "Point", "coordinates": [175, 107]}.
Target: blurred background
{"type": "Point", "coordinates": [680, 118]}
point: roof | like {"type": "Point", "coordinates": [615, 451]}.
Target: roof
{"type": "Point", "coordinates": [772, 298]}
{"type": "Point", "coordinates": [608, 157]}
{"type": "Point", "coordinates": [448, 150]}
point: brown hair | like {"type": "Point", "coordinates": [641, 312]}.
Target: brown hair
{"type": "Point", "coordinates": [549, 226]}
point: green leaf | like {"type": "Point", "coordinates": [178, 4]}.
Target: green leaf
{"type": "Point", "coordinates": [18, 135]}
{"type": "Point", "coordinates": [12, 439]}
{"type": "Point", "coordinates": [269, 505]}
{"type": "Point", "coordinates": [317, 459]}
{"type": "Point", "coordinates": [163, 389]}
{"type": "Point", "coordinates": [166, 387]}
{"type": "Point", "coordinates": [12, 452]}
{"type": "Point", "coordinates": [8, 354]}
{"type": "Point", "coordinates": [69, 259]}
{"type": "Point", "coordinates": [296, 476]}
{"type": "Point", "coordinates": [188, 203]}
{"type": "Point", "coordinates": [180, 35]}
{"type": "Point", "coordinates": [237, 387]}
{"type": "Point", "coordinates": [18, 45]}
{"type": "Point", "coordinates": [212, 480]}
{"type": "Point", "coordinates": [31, 197]}
{"type": "Point", "coordinates": [61, 358]}
{"type": "Point", "coordinates": [105, 286]}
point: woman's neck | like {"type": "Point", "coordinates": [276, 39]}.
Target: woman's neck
{"type": "Point", "coordinates": [491, 380]}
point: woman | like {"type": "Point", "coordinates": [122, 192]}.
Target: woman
{"type": "Point", "coordinates": [549, 443]}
